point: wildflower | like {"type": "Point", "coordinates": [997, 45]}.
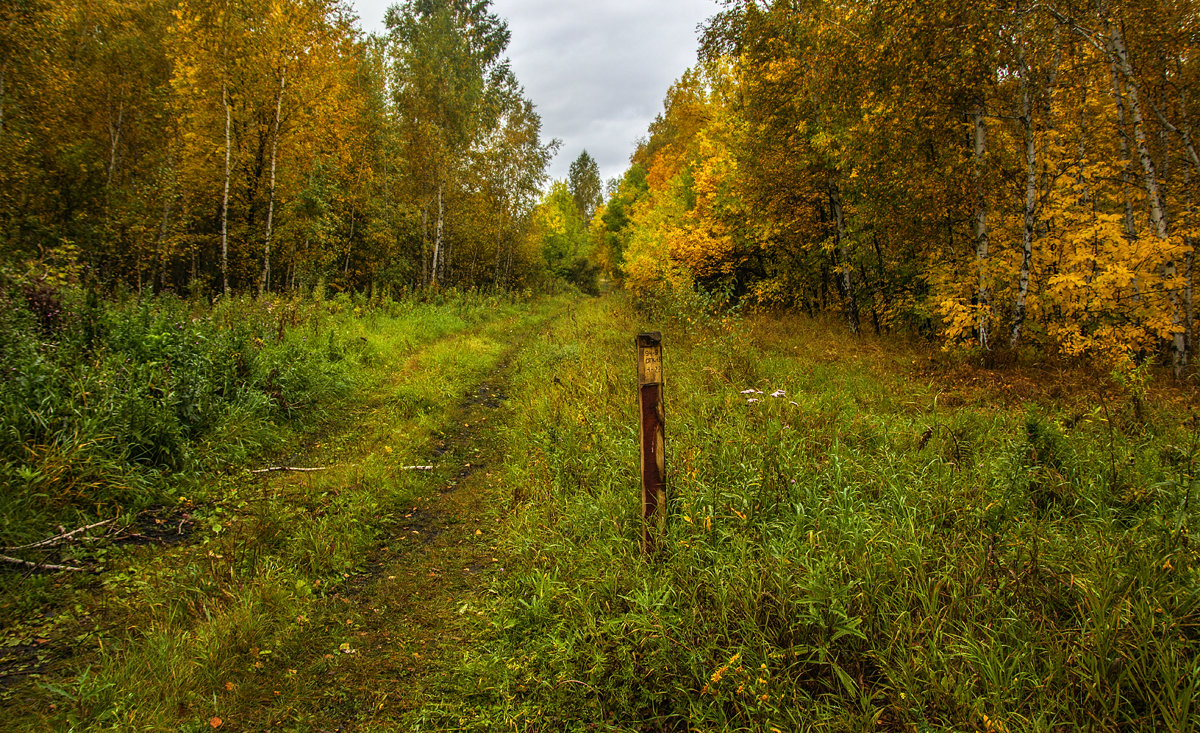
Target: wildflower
{"type": "Point", "coordinates": [751, 401]}
{"type": "Point", "coordinates": [779, 393]}
{"type": "Point", "coordinates": [751, 391]}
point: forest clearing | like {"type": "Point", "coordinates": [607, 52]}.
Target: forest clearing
{"type": "Point", "coordinates": [325, 406]}
{"type": "Point", "coordinates": [861, 535]}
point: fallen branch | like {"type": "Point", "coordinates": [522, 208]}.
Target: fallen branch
{"type": "Point", "coordinates": [58, 539]}
{"type": "Point", "coordinates": [39, 565]}
{"type": "Point", "coordinates": [274, 469]}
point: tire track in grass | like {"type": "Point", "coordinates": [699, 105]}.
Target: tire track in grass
{"type": "Point", "coordinates": [412, 604]}
{"type": "Point", "coordinates": [403, 615]}
{"type": "Point", "coordinates": [218, 634]}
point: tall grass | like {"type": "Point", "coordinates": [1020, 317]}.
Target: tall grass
{"type": "Point", "coordinates": [107, 399]}
{"type": "Point", "coordinates": [245, 619]}
{"type": "Point", "coordinates": [854, 555]}
{"type": "Point", "coordinates": [112, 406]}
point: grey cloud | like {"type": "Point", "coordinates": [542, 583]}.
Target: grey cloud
{"type": "Point", "coordinates": [597, 71]}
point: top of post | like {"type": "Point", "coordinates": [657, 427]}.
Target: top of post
{"type": "Point", "coordinates": [650, 369]}
{"type": "Point", "coordinates": [649, 339]}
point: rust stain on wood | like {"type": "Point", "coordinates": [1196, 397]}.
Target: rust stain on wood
{"type": "Point", "coordinates": [653, 438]}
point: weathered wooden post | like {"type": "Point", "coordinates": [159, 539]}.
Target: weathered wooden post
{"type": "Point", "coordinates": [653, 438]}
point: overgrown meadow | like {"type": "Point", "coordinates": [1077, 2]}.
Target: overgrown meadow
{"type": "Point", "coordinates": [863, 535]}
{"type": "Point", "coordinates": [112, 407]}
{"type": "Point", "coordinates": [210, 584]}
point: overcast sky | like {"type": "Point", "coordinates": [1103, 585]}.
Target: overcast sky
{"type": "Point", "coordinates": [596, 70]}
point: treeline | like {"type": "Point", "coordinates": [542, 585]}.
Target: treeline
{"type": "Point", "coordinates": [264, 145]}
{"type": "Point", "coordinates": [998, 173]}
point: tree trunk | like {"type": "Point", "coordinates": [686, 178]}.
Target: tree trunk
{"type": "Point", "coordinates": [1116, 48]}
{"type": "Point", "coordinates": [159, 251]}
{"type": "Point", "coordinates": [981, 227]}
{"type": "Point", "coordinates": [349, 246]}
{"type": "Point", "coordinates": [114, 140]}
{"type": "Point", "coordinates": [225, 198]}
{"type": "Point", "coordinates": [1185, 132]}
{"type": "Point", "coordinates": [1030, 204]}
{"type": "Point", "coordinates": [1189, 264]}
{"type": "Point", "coordinates": [1126, 157]}
{"type": "Point", "coordinates": [265, 283]}
{"type": "Point", "coordinates": [843, 254]}
{"type": "Point", "coordinates": [499, 252]}
{"type": "Point", "coordinates": [436, 264]}
{"type": "Point", "coordinates": [1158, 217]}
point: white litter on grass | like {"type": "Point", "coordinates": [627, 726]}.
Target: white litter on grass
{"type": "Point", "coordinates": [793, 403]}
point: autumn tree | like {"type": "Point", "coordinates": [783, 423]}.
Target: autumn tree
{"type": "Point", "coordinates": [996, 173]}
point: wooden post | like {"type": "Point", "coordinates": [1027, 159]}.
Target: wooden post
{"type": "Point", "coordinates": [653, 438]}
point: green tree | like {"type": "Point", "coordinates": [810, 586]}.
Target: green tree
{"type": "Point", "coordinates": [565, 244]}
{"type": "Point", "coordinates": [443, 53]}
{"type": "Point", "coordinates": [585, 185]}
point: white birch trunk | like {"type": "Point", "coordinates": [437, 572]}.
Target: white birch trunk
{"type": "Point", "coordinates": [1030, 204]}
{"type": "Point", "coordinates": [981, 227]}
{"type": "Point", "coordinates": [437, 239]}
{"type": "Point", "coordinates": [1126, 157]}
{"type": "Point", "coordinates": [843, 252]}
{"type": "Point", "coordinates": [225, 198]}
{"type": "Point", "coordinates": [265, 283]}
{"type": "Point", "coordinates": [114, 141]}
{"type": "Point", "coordinates": [1158, 217]}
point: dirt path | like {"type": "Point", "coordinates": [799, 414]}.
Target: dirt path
{"type": "Point", "coordinates": [336, 600]}
{"type": "Point", "coordinates": [409, 607]}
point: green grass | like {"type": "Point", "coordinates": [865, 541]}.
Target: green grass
{"type": "Point", "coordinates": [902, 542]}
{"type": "Point", "coordinates": [168, 637]}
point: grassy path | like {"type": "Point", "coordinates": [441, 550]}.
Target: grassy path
{"type": "Point", "coordinates": [406, 607]}
{"type": "Point", "coordinates": [863, 536]}
{"type": "Point", "coordinates": [408, 611]}
{"type": "Point", "coordinates": [302, 601]}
